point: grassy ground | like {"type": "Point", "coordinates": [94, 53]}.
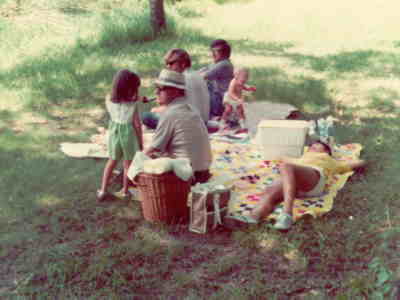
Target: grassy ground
{"type": "Point", "coordinates": [56, 241]}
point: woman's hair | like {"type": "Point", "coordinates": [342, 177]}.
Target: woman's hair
{"type": "Point", "coordinates": [223, 46]}
{"type": "Point", "coordinates": [125, 86]}
{"type": "Point", "coordinates": [177, 54]}
{"type": "Point", "coordinates": [326, 146]}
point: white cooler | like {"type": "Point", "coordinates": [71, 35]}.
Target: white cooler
{"type": "Point", "coordinates": [282, 138]}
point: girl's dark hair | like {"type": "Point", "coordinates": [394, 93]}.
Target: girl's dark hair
{"type": "Point", "coordinates": [125, 86]}
{"type": "Point", "coordinates": [326, 146]}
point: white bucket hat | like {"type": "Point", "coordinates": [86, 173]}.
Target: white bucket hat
{"type": "Point", "coordinates": [171, 78]}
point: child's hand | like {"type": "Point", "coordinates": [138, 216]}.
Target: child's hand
{"type": "Point", "coordinates": [252, 89]}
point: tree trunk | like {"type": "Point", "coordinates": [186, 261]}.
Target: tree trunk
{"type": "Point", "coordinates": [157, 16]}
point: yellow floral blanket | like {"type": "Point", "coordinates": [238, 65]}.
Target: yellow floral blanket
{"type": "Point", "coordinates": [244, 168]}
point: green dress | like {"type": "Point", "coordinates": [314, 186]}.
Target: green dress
{"type": "Point", "coordinates": [122, 140]}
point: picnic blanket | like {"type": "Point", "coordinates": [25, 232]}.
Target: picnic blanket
{"type": "Point", "coordinates": [250, 175]}
{"type": "Point", "coordinates": [240, 163]}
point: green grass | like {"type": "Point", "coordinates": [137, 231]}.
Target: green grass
{"type": "Point", "coordinates": [56, 241]}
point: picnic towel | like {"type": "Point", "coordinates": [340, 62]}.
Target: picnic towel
{"type": "Point", "coordinates": [250, 175]}
{"type": "Point", "coordinates": [96, 149]}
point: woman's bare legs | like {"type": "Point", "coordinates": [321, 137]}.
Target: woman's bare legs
{"type": "Point", "coordinates": [272, 195]}
{"type": "Point", "coordinates": [108, 169]}
{"type": "Point", "coordinates": [125, 182]}
{"type": "Point", "coordinates": [295, 178]}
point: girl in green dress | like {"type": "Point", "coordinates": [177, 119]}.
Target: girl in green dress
{"type": "Point", "coordinates": [125, 129]}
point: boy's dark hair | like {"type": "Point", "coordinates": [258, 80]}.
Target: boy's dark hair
{"type": "Point", "coordinates": [125, 86]}
{"type": "Point", "coordinates": [222, 46]}
{"type": "Point", "coordinates": [326, 146]}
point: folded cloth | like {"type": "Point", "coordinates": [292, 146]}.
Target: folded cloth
{"type": "Point", "coordinates": [143, 163]}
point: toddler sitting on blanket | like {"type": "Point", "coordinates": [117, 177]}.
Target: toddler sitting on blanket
{"type": "Point", "coordinates": [302, 177]}
{"type": "Point", "coordinates": [233, 114]}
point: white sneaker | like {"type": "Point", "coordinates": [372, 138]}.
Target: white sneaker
{"type": "Point", "coordinates": [284, 221]}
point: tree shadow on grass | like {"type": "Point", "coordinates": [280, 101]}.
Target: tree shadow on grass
{"type": "Point", "coordinates": [383, 100]}
{"type": "Point", "coordinates": [308, 94]}
{"type": "Point", "coordinates": [90, 249]}
{"type": "Point", "coordinates": [35, 172]}
{"type": "Point", "coordinates": [85, 71]}
{"type": "Point", "coordinates": [6, 117]}
{"type": "Point", "coordinates": [372, 63]}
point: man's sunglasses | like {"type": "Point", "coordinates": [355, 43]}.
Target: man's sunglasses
{"type": "Point", "coordinates": [159, 89]}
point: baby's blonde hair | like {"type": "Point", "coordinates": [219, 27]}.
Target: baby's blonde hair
{"type": "Point", "coordinates": [241, 70]}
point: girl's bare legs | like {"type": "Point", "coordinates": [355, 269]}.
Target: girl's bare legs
{"type": "Point", "coordinates": [127, 164]}
{"type": "Point", "coordinates": [110, 165]}
{"type": "Point", "coordinates": [296, 178]}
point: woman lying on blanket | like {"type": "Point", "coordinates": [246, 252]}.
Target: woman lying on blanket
{"type": "Point", "coordinates": [302, 177]}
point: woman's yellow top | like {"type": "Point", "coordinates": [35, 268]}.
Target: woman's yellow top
{"type": "Point", "coordinates": [322, 161]}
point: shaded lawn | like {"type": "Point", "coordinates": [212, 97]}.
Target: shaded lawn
{"type": "Point", "coordinates": [57, 241]}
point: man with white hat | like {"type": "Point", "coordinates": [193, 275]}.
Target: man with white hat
{"type": "Point", "coordinates": [181, 131]}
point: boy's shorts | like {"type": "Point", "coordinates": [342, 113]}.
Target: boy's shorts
{"type": "Point", "coordinates": [318, 189]}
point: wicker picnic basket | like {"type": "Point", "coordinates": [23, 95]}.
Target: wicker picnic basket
{"type": "Point", "coordinates": [164, 197]}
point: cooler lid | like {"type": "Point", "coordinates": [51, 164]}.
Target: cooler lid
{"type": "Point", "coordinates": [283, 123]}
